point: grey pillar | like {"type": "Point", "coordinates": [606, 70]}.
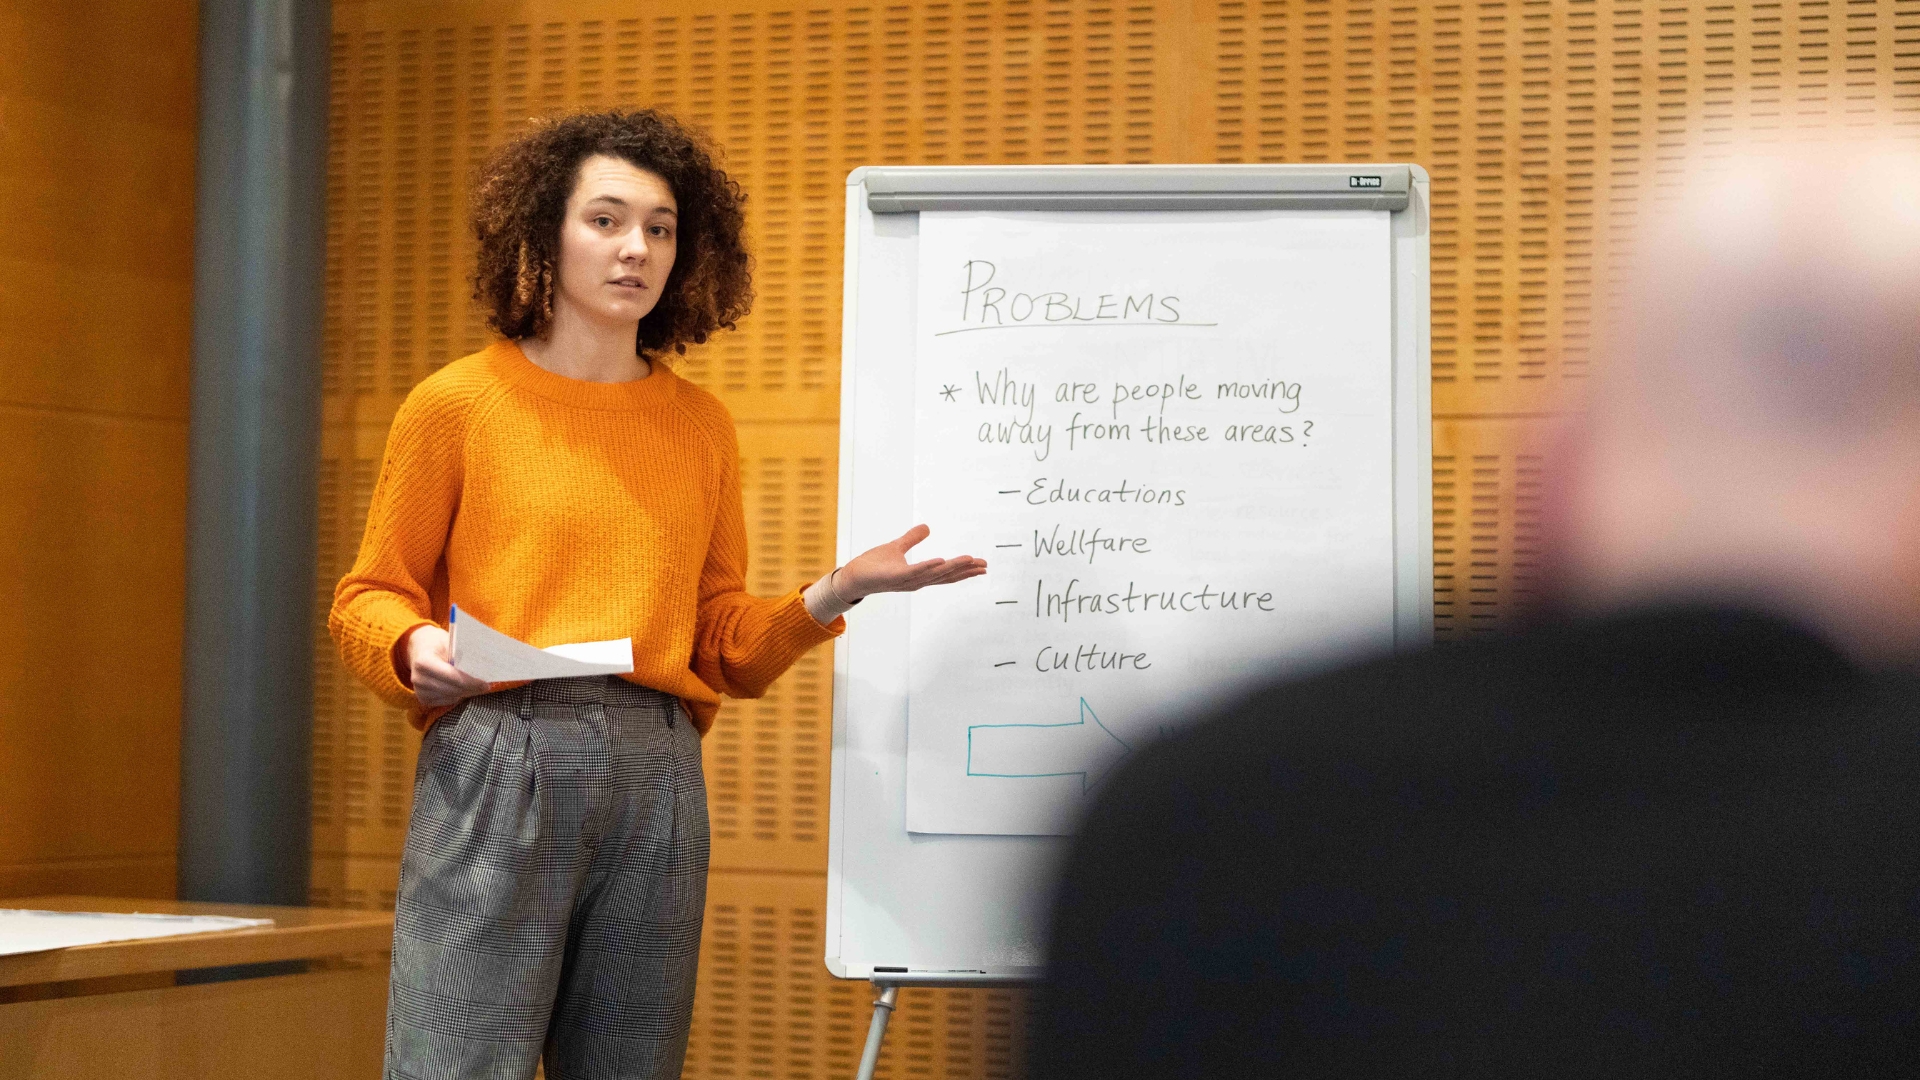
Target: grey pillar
{"type": "Point", "coordinates": [259, 258]}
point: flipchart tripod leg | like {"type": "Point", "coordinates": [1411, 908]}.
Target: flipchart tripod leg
{"type": "Point", "coordinates": [877, 1031]}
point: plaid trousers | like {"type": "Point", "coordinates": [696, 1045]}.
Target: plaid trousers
{"type": "Point", "coordinates": [552, 888]}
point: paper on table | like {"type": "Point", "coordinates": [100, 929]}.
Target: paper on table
{"type": "Point", "coordinates": [24, 930]}
{"type": "Point", "coordinates": [486, 653]}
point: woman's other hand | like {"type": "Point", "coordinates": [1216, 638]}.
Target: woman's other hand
{"type": "Point", "coordinates": [886, 569]}
{"type": "Point", "coordinates": [436, 681]}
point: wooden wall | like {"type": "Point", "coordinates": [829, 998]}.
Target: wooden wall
{"type": "Point", "coordinates": [97, 121]}
{"type": "Point", "coordinates": [1544, 123]}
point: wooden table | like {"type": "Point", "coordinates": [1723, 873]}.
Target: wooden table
{"type": "Point", "coordinates": [116, 1010]}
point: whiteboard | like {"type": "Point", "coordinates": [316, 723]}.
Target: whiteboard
{"type": "Point", "coordinates": [1183, 412]}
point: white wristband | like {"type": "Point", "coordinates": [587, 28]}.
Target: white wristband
{"type": "Point", "coordinates": [823, 603]}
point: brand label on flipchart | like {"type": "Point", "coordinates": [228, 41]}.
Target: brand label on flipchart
{"type": "Point", "coordinates": [1363, 181]}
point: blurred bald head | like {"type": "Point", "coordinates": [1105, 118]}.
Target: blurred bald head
{"type": "Point", "coordinates": [1753, 430]}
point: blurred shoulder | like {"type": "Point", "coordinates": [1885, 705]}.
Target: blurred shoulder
{"type": "Point", "coordinates": [1560, 696]}
{"type": "Point", "coordinates": [1373, 702]}
{"type": "Point", "coordinates": [1299, 748]}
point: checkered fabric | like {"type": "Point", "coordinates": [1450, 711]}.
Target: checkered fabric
{"type": "Point", "coordinates": [552, 888]}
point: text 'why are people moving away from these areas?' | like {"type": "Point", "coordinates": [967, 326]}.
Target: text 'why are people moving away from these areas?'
{"type": "Point", "coordinates": [1170, 434]}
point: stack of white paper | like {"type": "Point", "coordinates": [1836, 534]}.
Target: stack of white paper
{"type": "Point", "coordinates": [486, 653]}
{"type": "Point", "coordinates": [23, 930]}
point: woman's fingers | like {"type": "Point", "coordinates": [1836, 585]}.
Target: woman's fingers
{"type": "Point", "coordinates": [944, 572]}
{"type": "Point", "coordinates": [431, 692]}
{"type": "Point", "coordinates": [930, 570]}
{"type": "Point", "coordinates": [910, 538]}
{"type": "Point", "coordinates": [940, 564]}
{"type": "Point", "coordinates": [445, 671]}
{"type": "Point", "coordinates": [885, 568]}
{"type": "Point", "coordinates": [920, 574]}
{"type": "Point", "coordinates": [433, 695]}
{"type": "Point", "coordinates": [966, 564]}
{"type": "Point", "coordinates": [437, 682]}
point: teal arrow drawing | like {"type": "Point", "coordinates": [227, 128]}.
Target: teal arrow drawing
{"type": "Point", "coordinates": [1077, 748]}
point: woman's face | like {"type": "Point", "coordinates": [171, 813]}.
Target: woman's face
{"type": "Point", "coordinates": [617, 241]}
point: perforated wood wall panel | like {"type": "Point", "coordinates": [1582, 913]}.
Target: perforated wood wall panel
{"type": "Point", "coordinates": [766, 764]}
{"type": "Point", "coordinates": [768, 1008]}
{"type": "Point", "coordinates": [1546, 126]}
{"type": "Point", "coordinates": [1486, 522]}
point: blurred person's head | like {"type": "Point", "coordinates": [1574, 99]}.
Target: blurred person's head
{"type": "Point", "coordinates": [1752, 434]}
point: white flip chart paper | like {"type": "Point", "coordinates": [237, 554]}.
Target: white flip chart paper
{"type": "Point", "coordinates": [486, 653]}
{"type": "Point", "coordinates": [24, 930]}
{"type": "Point", "coordinates": [1170, 434]}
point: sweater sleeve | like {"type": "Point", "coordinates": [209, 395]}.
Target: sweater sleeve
{"type": "Point", "coordinates": [742, 643]}
{"type": "Point", "coordinates": [388, 591]}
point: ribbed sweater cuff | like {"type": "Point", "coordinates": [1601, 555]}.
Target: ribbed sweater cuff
{"type": "Point", "coordinates": [794, 622]}
{"type": "Point", "coordinates": [382, 625]}
{"type": "Point", "coordinates": [789, 630]}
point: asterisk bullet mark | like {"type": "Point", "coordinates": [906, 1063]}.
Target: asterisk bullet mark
{"type": "Point", "coordinates": [949, 391]}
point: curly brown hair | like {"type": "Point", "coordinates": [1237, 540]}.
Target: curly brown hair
{"type": "Point", "coordinates": [520, 199]}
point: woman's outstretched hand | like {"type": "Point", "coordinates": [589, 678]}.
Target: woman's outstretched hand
{"type": "Point", "coordinates": [886, 569]}
{"type": "Point", "coordinates": [436, 681]}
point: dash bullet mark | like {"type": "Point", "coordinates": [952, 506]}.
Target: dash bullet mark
{"type": "Point", "coordinates": [999, 602]}
{"type": "Point", "coordinates": [1006, 663]}
{"type": "Point", "coordinates": [1010, 491]}
{"type": "Point", "coordinates": [1008, 545]}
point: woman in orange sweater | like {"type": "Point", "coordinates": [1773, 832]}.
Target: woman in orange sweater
{"type": "Point", "coordinates": [564, 485]}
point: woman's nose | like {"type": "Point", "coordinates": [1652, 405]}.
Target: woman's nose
{"type": "Point", "coordinates": [634, 247]}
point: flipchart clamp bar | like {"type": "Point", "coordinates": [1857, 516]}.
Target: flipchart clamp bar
{"type": "Point", "coordinates": [910, 189]}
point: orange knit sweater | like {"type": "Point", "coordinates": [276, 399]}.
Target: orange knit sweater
{"type": "Point", "coordinates": [557, 510]}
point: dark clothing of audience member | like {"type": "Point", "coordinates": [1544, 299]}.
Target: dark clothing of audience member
{"type": "Point", "coordinates": [1674, 842]}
